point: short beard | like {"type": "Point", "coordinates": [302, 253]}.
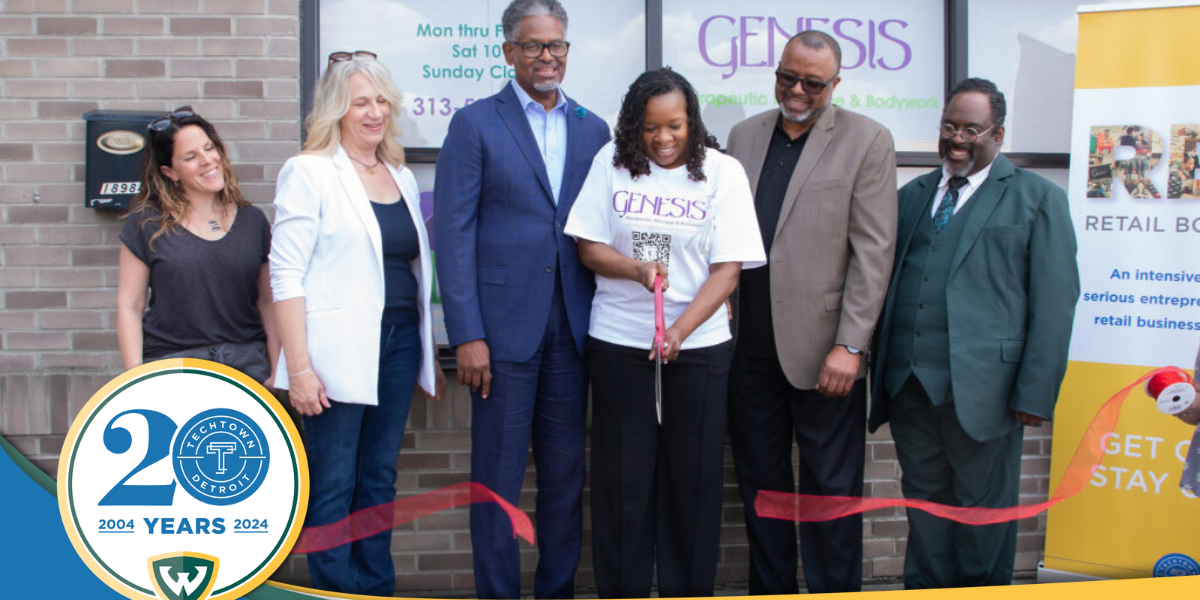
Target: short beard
{"type": "Point", "coordinates": [546, 86]}
{"type": "Point", "coordinates": [960, 172]}
{"type": "Point", "coordinates": [803, 118]}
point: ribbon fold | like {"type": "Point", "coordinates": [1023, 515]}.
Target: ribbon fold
{"type": "Point", "coordinates": [377, 519]}
{"type": "Point", "coordinates": [1088, 455]}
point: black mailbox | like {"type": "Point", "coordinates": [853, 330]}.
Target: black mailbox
{"type": "Point", "coordinates": [115, 140]}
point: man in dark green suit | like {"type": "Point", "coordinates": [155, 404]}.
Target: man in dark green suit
{"type": "Point", "coordinates": [973, 340]}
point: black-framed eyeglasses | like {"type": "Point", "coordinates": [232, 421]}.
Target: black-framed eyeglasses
{"type": "Point", "coordinates": [811, 86]}
{"type": "Point", "coordinates": [557, 49]}
{"type": "Point", "coordinates": [969, 134]}
{"type": "Point", "coordinates": [163, 122]}
{"type": "Point", "coordinates": [345, 56]}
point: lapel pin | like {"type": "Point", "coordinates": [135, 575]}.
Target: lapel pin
{"type": "Point", "coordinates": [580, 112]}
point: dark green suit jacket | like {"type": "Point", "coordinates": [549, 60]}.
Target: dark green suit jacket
{"type": "Point", "coordinates": [1010, 299]}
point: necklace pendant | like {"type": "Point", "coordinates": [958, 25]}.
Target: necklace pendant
{"type": "Point", "coordinates": [370, 170]}
{"type": "Point", "coordinates": [214, 225]}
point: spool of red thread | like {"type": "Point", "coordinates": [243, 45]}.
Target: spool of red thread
{"type": "Point", "coordinates": [1172, 390]}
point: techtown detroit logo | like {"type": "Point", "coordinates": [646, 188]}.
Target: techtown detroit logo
{"type": "Point", "coordinates": [183, 479]}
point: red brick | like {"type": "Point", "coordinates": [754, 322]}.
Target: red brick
{"type": "Point", "coordinates": [200, 26]}
{"type": "Point", "coordinates": [66, 26]}
{"type": "Point", "coordinates": [170, 89]}
{"type": "Point", "coordinates": [17, 362]}
{"type": "Point", "coordinates": [267, 26]}
{"type": "Point", "coordinates": [17, 300]}
{"type": "Point", "coordinates": [100, 6]}
{"type": "Point", "coordinates": [72, 360]}
{"type": "Point", "coordinates": [35, 88]}
{"type": "Point", "coordinates": [11, 152]}
{"type": "Point", "coordinates": [71, 319]}
{"type": "Point", "coordinates": [251, 68]}
{"type": "Point", "coordinates": [12, 320]}
{"type": "Point", "coordinates": [233, 47]}
{"type": "Point", "coordinates": [22, 67]}
{"type": "Point", "coordinates": [135, 68]}
{"type": "Point", "coordinates": [37, 46]}
{"type": "Point", "coordinates": [103, 256]}
{"type": "Point", "coordinates": [103, 88]}
{"type": "Point", "coordinates": [69, 235]}
{"type": "Point", "coordinates": [63, 152]}
{"type": "Point", "coordinates": [201, 67]}
{"type": "Point", "coordinates": [16, 109]}
{"type": "Point", "coordinates": [88, 340]}
{"type": "Point", "coordinates": [16, 25]}
{"type": "Point", "coordinates": [179, 46]}
{"type": "Point", "coordinates": [35, 6]}
{"type": "Point", "coordinates": [224, 7]}
{"type": "Point", "coordinates": [60, 110]}
{"type": "Point", "coordinates": [92, 298]}
{"type": "Point", "coordinates": [40, 340]}
{"type": "Point", "coordinates": [106, 46]}
{"type": "Point", "coordinates": [233, 89]}
{"type": "Point", "coordinates": [69, 67]}
{"type": "Point", "coordinates": [36, 256]}
{"type": "Point", "coordinates": [12, 277]}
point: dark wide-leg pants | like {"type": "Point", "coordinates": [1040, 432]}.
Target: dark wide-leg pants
{"type": "Point", "coordinates": [656, 490]}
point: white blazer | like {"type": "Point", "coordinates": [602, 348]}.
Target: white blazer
{"type": "Point", "coordinates": [326, 247]}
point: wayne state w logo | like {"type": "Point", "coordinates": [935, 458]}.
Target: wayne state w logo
{"type": "Point", "coordinates": [183, 575]}
{"type": "Point", "coordinates": [183, 479]}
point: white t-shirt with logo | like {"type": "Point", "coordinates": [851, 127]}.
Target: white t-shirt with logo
{"type": "Point", "coordinates": [668, 218]}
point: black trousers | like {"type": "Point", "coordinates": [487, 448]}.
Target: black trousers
{"type": "Point", "coordinates": [765, 414]}
{"type": "Point", "coordinates": [943, 464]}
{"type": "Point", "coordinates": [657, 489]}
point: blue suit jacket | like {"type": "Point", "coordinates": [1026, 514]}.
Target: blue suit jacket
{"type": "Point", "coordinates": [498, 233]}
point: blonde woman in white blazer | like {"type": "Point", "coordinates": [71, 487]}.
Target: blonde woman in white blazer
{"type": "Point", "coordinates": [352, 279]}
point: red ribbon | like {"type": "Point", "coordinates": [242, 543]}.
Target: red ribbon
{"type": "Point", "coordinates": [377, 519]}
{"type": "Point", "coordinates": [1088, 455]}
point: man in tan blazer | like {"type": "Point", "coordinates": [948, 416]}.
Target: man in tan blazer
{"type": "Point", "coordinates": [825, 193]}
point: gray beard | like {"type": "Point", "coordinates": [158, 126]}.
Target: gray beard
{"type": "Point", "coordinates": [547, 86]}
{"type": "Point", "coordinates": [961, 172]}
{"type": "Point", "coordinates": [800, 119]}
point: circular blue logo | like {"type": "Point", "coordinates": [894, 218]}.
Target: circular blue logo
{"type": "Point", "coordinates": [220, 457]}
{"type": "Point", "coordinates": [1176, 565]}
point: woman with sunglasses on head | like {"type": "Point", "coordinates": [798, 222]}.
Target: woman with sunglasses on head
{"type": "Point", "coordinates": [196, 251]}
{"type": "Point", "coordinates": [660, 201]}
{"type": "Point", "coordinates": [352, 277]}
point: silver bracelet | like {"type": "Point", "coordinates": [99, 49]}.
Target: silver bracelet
{"type": "Point", "coordinates": [304, 372]}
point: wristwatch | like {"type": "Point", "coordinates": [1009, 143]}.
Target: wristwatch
{"type": "Point", "coordinates": [852, 349]}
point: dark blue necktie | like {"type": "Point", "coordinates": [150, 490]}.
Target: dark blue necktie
{"type": "Point", "coordinates": [945, 210]}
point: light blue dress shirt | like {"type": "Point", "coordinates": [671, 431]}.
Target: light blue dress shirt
{"type": "Point", "coordinates": [550, 131]}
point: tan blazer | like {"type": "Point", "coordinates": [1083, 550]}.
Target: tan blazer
{"type": "Point", "coordinates": [833, 249]}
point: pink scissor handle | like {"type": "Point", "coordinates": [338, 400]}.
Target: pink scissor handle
{"type": "Point", "coordinates": [660, 328]}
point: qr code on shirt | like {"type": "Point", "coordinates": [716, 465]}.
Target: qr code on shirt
{"type": "Point", "coordinates": [652, 247]}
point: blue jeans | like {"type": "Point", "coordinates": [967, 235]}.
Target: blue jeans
{"type": "Point", "coordinates": [352, 450]}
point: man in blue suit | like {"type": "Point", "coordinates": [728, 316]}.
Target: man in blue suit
{"type": "Point", "coordinates": [517, 302]}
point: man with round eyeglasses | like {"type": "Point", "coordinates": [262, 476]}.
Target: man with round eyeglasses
{"type": "Point", "coordinates": [517, 302]}
{"type": "Point", "coordinates": [824, 183]}
{"type": "Point", "coordinates": [973, 340]}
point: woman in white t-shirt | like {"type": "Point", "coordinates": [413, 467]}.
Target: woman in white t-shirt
{"type": "Point", "coordinates": [659, 200]}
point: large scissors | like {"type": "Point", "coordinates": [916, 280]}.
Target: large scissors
{"type": "Point", "coordinates": [660, 332]}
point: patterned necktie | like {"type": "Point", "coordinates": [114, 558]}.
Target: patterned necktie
{"type": "Point", "coordinates": [945, 210]}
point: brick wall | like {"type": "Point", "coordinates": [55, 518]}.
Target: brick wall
{"type": "Point", "coordinates": [237, 62]}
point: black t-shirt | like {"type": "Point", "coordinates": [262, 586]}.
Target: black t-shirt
{"type": "Point", "coordinates": [201, 292]}
{"type": "Point", "coordinates": [756, 333]}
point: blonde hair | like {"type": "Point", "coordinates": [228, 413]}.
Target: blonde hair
{"type": "Point", "coordinates": [331, 102]}
{"type": "Point", "coordinates": [166, 196]}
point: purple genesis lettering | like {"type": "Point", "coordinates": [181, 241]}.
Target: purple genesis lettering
{"type": "Point", "coordinates": [625, 203]}
{"type": "Point", "coordinates": [883, 33]}
{"type": "Point", "coordinates": [872, 41]}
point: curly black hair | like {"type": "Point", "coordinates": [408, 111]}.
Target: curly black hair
{"type": "Point", "coordinates": [630, 153]}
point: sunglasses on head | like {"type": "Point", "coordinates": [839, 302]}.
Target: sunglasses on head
{"type": "Point", "coordinates": [163, 122]}
{"type": "Point", "coordinates": [811, 86]}
{"type": "Point", "coordinates": [345, 56]}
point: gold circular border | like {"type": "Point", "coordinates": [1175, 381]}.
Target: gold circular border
{"type": "Point", "coordinates": [271, 402]}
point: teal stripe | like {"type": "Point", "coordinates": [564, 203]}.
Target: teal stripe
{"type": "Point", "coordinates": [34, 473]}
